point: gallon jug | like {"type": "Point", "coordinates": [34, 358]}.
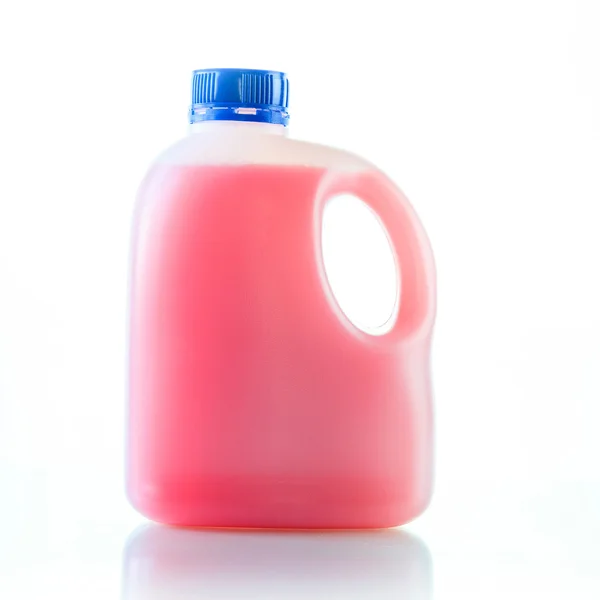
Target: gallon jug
{"type": "Point", "coordinates": [254, 401]}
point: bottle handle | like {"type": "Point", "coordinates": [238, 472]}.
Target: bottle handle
{"type": "Point", "coordinates": [409, 242]}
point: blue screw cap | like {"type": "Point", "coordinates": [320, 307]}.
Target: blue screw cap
{"type": "Point", "coordinates": [239, 95]}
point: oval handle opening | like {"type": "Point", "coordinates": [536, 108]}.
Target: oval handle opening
{"type": "Point", "coordinates": [360, 264]}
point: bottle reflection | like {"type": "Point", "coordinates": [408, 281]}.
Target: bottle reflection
{"type": "Point", "coordinates": [162, 562]}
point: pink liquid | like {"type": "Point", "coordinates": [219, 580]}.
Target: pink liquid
{"type": "Point", "coordinates": [253, 403]}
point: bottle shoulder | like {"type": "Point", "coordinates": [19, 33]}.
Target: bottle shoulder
{"type": "Point", "coordinates": [216, 148]}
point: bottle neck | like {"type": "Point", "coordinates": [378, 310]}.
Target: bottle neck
{"type": "Point", "coordinates": [238, 127]}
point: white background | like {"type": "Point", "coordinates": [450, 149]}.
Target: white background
{"type": "Point", "coordinates": [485, 113]}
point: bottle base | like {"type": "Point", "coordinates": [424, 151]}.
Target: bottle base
{"type": "Point", "coordinates": [278, 505]}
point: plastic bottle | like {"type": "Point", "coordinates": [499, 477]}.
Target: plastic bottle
{"type": "Point", "coordinates": [254, 401]}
